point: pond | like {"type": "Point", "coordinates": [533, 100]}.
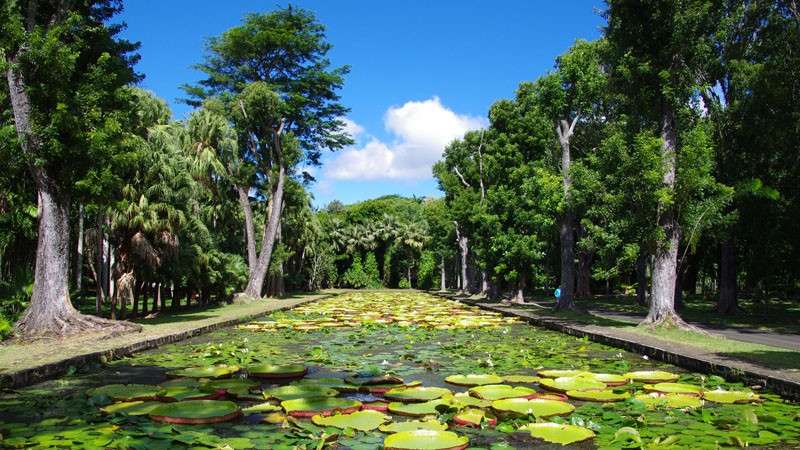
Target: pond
{"type": "Point", "coordinates": [404, 359]}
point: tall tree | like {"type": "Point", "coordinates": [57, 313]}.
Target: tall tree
{"type": "Point", "coordinates": [65, 70]}
{"type": "Point", "coordinates": [657, 49]}
{"type": "Point", "coordinates": [273, 72]}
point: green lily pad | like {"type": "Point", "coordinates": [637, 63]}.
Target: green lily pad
{"type": "Point", "coordinates": [602, 395]}
{"type": "Point", "coordinates": [419, 409]}
{"type": "Point", "coordinates": [372, 380]}
{"type": "Point", "coordinates": [126, 392]}
{"type": "Point", "coordinates": [564, 384]}
{"type": "Point", "coordinates": [177, 394]}
{"type": "Point", "coordinates": [135, 408]}
{"type": "Point", "coordinates": [261, 408]}
{"type": "Point", "coordinates": [722, 396]}
{"type": "Point", "coordinates": [500, 391]}
{"type": "Point", "coordinates": [675, 401]}
{"type": "Point", "coordinates": [359, 420]}
{"type": "Point", "coordinates": [537, 407]}
{"type": "Point", "coordinates": [473, 380]}
{"type": "Point", "coordinates": [521, 379]}
{"type": "Point", "coordinates": [474, 417]}
{"type": "Point", "coordinates": [558, 433]}
{"type": "Point", "coordinates": [609, 379]}
{"type": "Point", "coordinates": [378, 405]}
{"type": "Point", "coordinates": [415, 394]}
{"type": "Point", "coordinates": [425, 440]}
{"type": "Point", "coordinates": [464, 399]}
{"type": "Point", "coordinates": [411, 425]}
{"type": "Point", "coordinates": [673, 388]}
{"type": "Point", "coordinates": [558, 373]}
{"type": "Point", "coordinates": [245, 393]}
{"type": "Point", "coordinates": [324, 406]}
{"type": "Point", "coordinates": [299, 391]}
{"type": "Point", "coordinates": [277, 371]}
{"type": "Point", "coordinates": [213, 372]}
{"type": "Point", "coordinates": [196, 412]}
{"type": "Point", "coordinates": [652, 376]}
{"type": "Point", "coordinates": [230, 383]}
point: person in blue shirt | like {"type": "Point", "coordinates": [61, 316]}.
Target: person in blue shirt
{"type": "Point", "coordinates": [558, 294]}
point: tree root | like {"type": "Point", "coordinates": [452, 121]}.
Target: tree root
{"type": "Point", "coordinates": [69, 324]}
{"type": "Point", "coordinates": [673, 320]}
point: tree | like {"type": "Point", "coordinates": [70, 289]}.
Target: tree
{"type": "Point", "coordinates": [657, 50]}
{"type": "Point", "coordinates": [65, 72]}
{"type": "Point", "coordinates": [273, 73]}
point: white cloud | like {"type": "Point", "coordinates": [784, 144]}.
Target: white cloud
{"type": "Point", "coordinates": [352, 128]}
{"type": "Point", "coordinates": [422, 130]}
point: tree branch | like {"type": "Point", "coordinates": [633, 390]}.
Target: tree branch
{"type": "Point", "coordinates": [461, 176]}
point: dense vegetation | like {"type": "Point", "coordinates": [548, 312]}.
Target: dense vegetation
{"type": "Point", "coordinates": [661, 158]}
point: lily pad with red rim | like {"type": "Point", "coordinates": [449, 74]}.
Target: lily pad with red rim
{"type": "Point", "coordinates": [420, 409]}
{"type": "Point", "coordinates": [537, 407]}
{"type": "Point", "coordinates": [528, 379]}
{"type": "Point", "coordinates": [609, 379]}
{"type": "Point", "coordinates": [723, 396]}
{"type": "Point", "coordinates": [652, 376]}
{"type": "Point", "coordinates": [500, 391]}
{"type": "Point", "coordinates": [359, 420]}
{"type": "Point", "coordinates": [230, 383]}
{"type": "Point", "coordinates": [600, 395]}
{"type": "Point", "coordinates": [324, 406]}
{"type": "Point", "coordinates": [411, 425]}
{"type": "Point", "coordinates": [473, 379]}
{"type": "Point", "coordinates": [655, 400]}
{"type": "Point", "coordinates": [378, 405]}
{"type": "Point", "coordinates": [673, 388]}
{"type": "Point", "coordinates": [212, 372]}
{"type": "Point", "coordinates": [134, 408]}
{"type": "Point", "coordinates": [415, 394]}
{"type": "Point", "coordinates": [196, 412]}
{"type": "Point", "coordinates": [127, 392]}
{"type": "Point", "coordinates": [559, 433]}
{"type": "Point", "coordinates": [177, 394]}
{"type": "Point", "coordinates": [299, 391]}
{"type": "Point", "coordinates": [425, 440]}
{"type": "Point", "coordinates": [558, 373]}
{"type": "Point", "coordinates": [277, 371]}
{"type": "Point", "coordinates": [564, 384]}
{"type": "Point", "coordinates": [474, 417]}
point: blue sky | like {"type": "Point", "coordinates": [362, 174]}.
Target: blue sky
{"type": "Point", "coordinates": [422, 72]}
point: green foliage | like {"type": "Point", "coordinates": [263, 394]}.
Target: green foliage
{"type": "Point", "coordinates": [371, 271]}
{"type": "Point", "coordinates": [404, 284]}
{"type": "Point", "coordinates": [428, 271]}
{"type": "Point", "coordinates": [355, 276]}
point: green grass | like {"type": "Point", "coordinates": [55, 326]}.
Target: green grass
{"type": "Point", "coordinates": [779, 315]}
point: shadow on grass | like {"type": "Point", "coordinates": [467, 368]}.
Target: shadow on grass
{"type": "Point", "coordinates": [182, 315]}
{"type": "Point", "coordinates": [775, 358]}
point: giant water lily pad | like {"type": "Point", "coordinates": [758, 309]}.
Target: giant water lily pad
{"type": "Point", "coordinates": [213, 372]}
{"type": "Point", "coordinates": [411, 425]}
{"type": "Point", "coordinates": [415, 394]}
{"type": "Point", "coordinates": [463, 398]}
{"type": "Point", "coordinates": [177, 394]}
{"type": "Point", "coordinates": [528, 379]}
{"type": "Point", "coordinates": [374, 380]}
{"type": "Point", "coordinates": [675, 401]}
{"type": "Point", "coordinates": [473, 380]}
{"type": "Point", "coordinates": [673, 388]}
{"type": "Point", "coordinates": [230, 383]}
{"type": "Point", "coordinates": [500, 391]}
{"type": "Point", "coordinates": [324, 406]}
{"type": "Point", "coordinates": [126, 392]}
{"type": "Point", "coordinates": [537, 407]}
{"type": "Point", "coordinates": [420, 409]}
{"type": "Point", "coordinates": [602, 395]}
{"type": "Point", "coordinates": [609, 379]}
{"type": "Point", "coordinates": [425, 440]}
{"type": "Point", "coordinates": [558, 373]}
{"type": "Point", "coordinates": [564, 384]}
{"type": "Point", "coordinates": [135, 408]}
{"type": "Point", "coordinates": [359, 420]}
{"type": "Point", "coordinates": [474, 417]}
{"type": "Point", "coordinates": [723, 396]}
{"type": "Point", "coordinates": [328, 382]}
{"type": "Point", "coordinates": [196, 412]}
{"type": "Point", "coordinates": [277, 371]}
{"type": "Point", "coordinates": [299, 391]}
{"type": "Point", "coordinates": [559, 433]}
{"type": "Point", "coordinates": [652, 376]}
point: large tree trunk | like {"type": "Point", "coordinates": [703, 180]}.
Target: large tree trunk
{"type": "Point", "coordinates": [442, 281]}
{"type": "Point", "coordinates": [276, 286]}
{"type": "Point", "coordinates": [585, 258]}
{"type": "Point", "coordinates": [78, 259]}
{"type": "Point", "coordinates": [518, 296]}
{"type": "Point", "coordinates": [99, 254]}
{"type": "Point", "coordinates": [249, 227]}
{"type": "Point", "coordinates": [566, 222]}
{"type": "Point", "coordinates": [463, 246]}
{"type": "Point", "coordinates": [255, 283]}
{"type": "Point", "coordinates": [665, 258]}
{"type": "Point", "coordinates": [50, 312]}
{"type": "Point", "coordinates": [728, 302]}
